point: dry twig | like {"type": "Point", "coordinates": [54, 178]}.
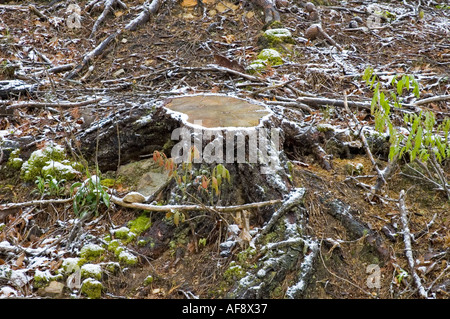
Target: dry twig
{"type": "Point", "coordinates": [407, 241]}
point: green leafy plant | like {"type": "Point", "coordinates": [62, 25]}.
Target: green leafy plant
{"type": "Point", "coordinates": [419, 136]}
{"type": "Point", "coordinates": [49, 185]}
{"type": "Point", "coordinates": [89, 196]}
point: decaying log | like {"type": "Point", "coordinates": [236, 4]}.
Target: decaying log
{"type": "Point", "coordinates": [15, 88]}
{"type": "Point", "coordinates": [44, 104]}
{"type": "Point", "coordinates": [345, 214]}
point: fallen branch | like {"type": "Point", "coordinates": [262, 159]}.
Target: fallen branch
{"type": "Point", "coordinates": [143, 17]}
{"type": "Point", "coordinates": [108, 9]}
{"type": "Point", "coordinates": [407, 241]}
{"type": "Point", "coordinates": [35, 203]}
{"type": "Point", "coordinates": [44, 104]}
{"type": "Point", "coordinates": [167, 208]}
{"type": "Point", "coordinates": [432, 99]}
{"type": "Point", "coordinates": [37, 12]}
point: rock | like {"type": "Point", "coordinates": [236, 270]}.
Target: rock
{"type": "Point", "coordinates": [144, 176]}
{"type": "Point", "coordinates": [314, 15]}
{"type": "Point", "coordinates": [353, 24]}
{"type": "Point", "coordinates": [188, 3]}
{"type": "Point", "coordinates": [309, 7]}
{"type": "Point", "coordinates": [134, 197]}
{"type": "Point", "coordinates": [312, 32]}
{"type": "Point", "coordinates": [54, 289]}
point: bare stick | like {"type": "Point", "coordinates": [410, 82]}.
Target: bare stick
{"type": "Point", "coordinates": [35, 203]}
{"type": "Point", "coordinates": [108, 8]}
{"type": "Point", "coordinates": [432, 99]}
{"type": "Point", "coordinates": [37, 12]}
{"type": "Point", "coordinates": [44, 104]}
{"type": "Point", "coordinates": [168, 208]}
{"type": "Point", "coordinates": [407, 241]}
{"type": "Point", "coordinates": [381, 174]}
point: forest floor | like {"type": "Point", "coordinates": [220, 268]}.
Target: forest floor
{"type": "Point", "coordinates": [172, 55]}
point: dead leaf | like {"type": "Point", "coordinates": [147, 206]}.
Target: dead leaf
{"type": "Point", "coordinates": [227, 63]}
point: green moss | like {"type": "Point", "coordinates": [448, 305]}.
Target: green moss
{"type": "Point", "coordinates": [127, 258]}
{"type": "Point", "coordinates": [91, 271]}
{"type": "Point", "coordinates": [49, 161]}
{"type": "Point", "coordinates": [121, 233]}
{"type": "Point", "coordinates": [124, 234]}
{"type": "Point", "coordinates": [108, 182]}
{"type": "Point", "coordinates": [244, 256]}
{"type": "Point", "coordinates": [41, 279]}
{"type": "Point", "coordinates": [92, 288]}
{"type": "Point", "coordinates": [14, 161]}
{"type": "Point", "coordinates": [70, 265]}
{"type": "Point", "coordinates": [276, 36]}
{"type": "Point", "coordinates": [2, 226]}
{"type": "Point", "coordinates": [142, 242]}
{"type": "Point", "coordinates": [113, 245]}
{"type": "Point", "coordinates": [60, 170]}
{"type": "Point", "coordinates": [91, 252]}
{"type": "Point", "coordinates": [270, 56]}
{"type": "Point", "coordinates": [148, 280]}
{"type": "Point", "coordinates": [140, 224]}
{"type": "Point", "coordinates": [234, 273]}
{"type": "Point", "coordinates": [256, 66]}
{"type": "Point", "coordinates": [118, 251]}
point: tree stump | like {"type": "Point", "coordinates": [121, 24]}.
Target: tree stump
{"type": "Point", "coordinates": [205, 136]}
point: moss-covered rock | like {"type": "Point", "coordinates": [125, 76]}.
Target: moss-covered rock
{"type": "Point", "coordinates": [41, 278]}
{"type": "Point", "coordinates": [14, 161]}
{"type": "Point", "coordinates": [50, 160]}
{"type": "Point", "coordinates": [91, 271]}
{"type": "Point", "coordinates": [91, 252]}
{"type": "Point", "coordinates": [92, 288]}
{"type": "Point", "coordinates": [270, 56]}
{"type": "Point", "coordinates": [60, 170]}
{"type": "Point", "coordinates": [124, 234]}
{"type": "Point", "coordinates": [256, 66]}
{"type": "Point", "coordinates": [70, 265]}
{"type": "Point", "coordinates": [126, 258]}
{"type": "Point", "coordinates": [277, 36]}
